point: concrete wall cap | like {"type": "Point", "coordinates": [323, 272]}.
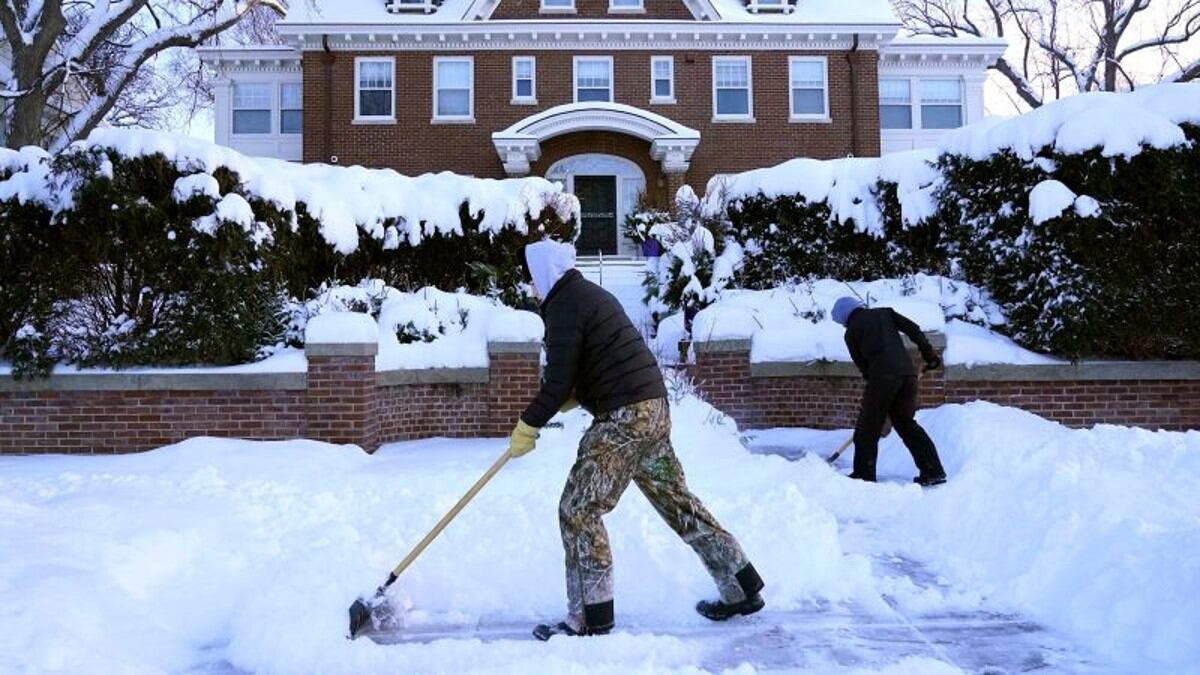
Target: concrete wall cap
{"type": "Point", "coordinates": [397, 378]}
{"type": "Point", "coordinates": [514, 347]}
{"type": "Point", "coordinates": [740, 345]}
{"type": "Point", "coordinates": [342, 349]}
{"type": "Point", "coordinates": [160, 382]}
{"type": "Point", "coordinates": [1084, 370]}
{"type": "Point", "coordinates": [802, 369]}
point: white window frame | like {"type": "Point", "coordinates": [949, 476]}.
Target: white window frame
{"type": "Point", "coordinates": [918, 102]}
{"type": "Point", "coordinates": [612, 80]}
{"type": "Point", "coordinates": [749, 116]}
{"type": "Point", "coordinates": [557, 9]}
{"type": "Point", "coordinates": [670, 61]}
{"type": "Point", "coordinates": [373, 119]}
{"type": "Point", "coordinates": [398, 6]}
{"type": "Point", "coordinates": [271, 107]}
{"type": "Point", "coordinates": [822, 116]}
{"type": "Point", "coordinates": [913, 113]}
{"type": "Point", "coordinates": [278, 112]}
{"type": "Point", "coordinates": [785, 6]}
{"type": "Point", "coordinates": [517, 99]}
{"type": "Point", "coordinates": [459, 119]}
{"type": "Point", "coordinates": [639, 8]}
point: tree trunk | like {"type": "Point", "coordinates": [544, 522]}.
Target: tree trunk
{"type": "Point", "coordinates": [28, 113]}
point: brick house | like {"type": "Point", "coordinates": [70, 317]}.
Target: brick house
{"type": "Point", "coordinates": [614, 98]}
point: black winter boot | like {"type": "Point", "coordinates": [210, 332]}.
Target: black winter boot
{"type": "Point", "coordinates": [597, 620]}
{"type": "Point", "coordinates": [930, 480]}
{"type": "Point", "coordinates": [719, 610]}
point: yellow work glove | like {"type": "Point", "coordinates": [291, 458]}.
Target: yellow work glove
{"type": "Point", "coordinates": [570, 405]}
{"type": "Point", "coordinates": [522, 439]}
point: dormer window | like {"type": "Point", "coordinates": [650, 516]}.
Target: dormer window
{"type": "Point", "coordinates": [756, 6]}
{"type": "Point", "coordinates": [426, 6]}
{"type": "Point", "coordinates": [558, 6]}
{"type": "Point", "coordinates": [626, 7]}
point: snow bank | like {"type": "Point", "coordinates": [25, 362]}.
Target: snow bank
{"type": "Point", "coordinates": [425, 329]}
{"type": "Point", "coordinates": [342, 199]}
{"type": "Point", "coordinates": [793, 323]}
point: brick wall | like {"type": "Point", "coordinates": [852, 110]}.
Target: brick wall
{"type": "Point", "coordinates": [827, 395]}
{"type": "Point", "coordinates": [413, 144]}
{"type": "Point", "coordinates": [341, 399]}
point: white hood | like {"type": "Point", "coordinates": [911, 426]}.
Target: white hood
{"type": "Point", "coordinates": [548, 261]}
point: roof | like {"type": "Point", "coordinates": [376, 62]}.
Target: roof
{"type": "Point", "coordinates": [807, 12]}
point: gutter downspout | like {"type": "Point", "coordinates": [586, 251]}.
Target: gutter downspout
{"type": "Point", "coordinates": [327, 59]}
{"type": "Point", "coordinates": [853, 97]}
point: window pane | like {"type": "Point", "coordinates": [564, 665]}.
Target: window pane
{"type": "Point", "coordinates": [808, 101]}
{"type": "Point", "coordinates": [252, 96]}
{"type": "Point", "coordinates": [810, 74]}
{"type": "Point", "coordinates": [895, 116]}
{"type": "Point", "coordinates": [375, 102]}
{"type": "Point", "coordinates": [662, 89]}
{"type": "Point", "coordinates": [454, 75]}
{"type": "Point", "coordinates": [290, 121]}
{"type": "Point", "coordinates": [290, 96]}
{"type": "Point", "coordinates": [374, 75]}
{"type": "Point", "coordinates": [251, 121]}
{"type": "Point", "coordinates": [733, 102]}
{"type": "Point", "coordinates": [593, 74]}
{"type": "Point", "coordinates": [556, 3]}
{"type": "Point", "coordinates": [593, 95]}
{"type": "Point", "coordinates": [662, 68]}
{"type": "Point", "coordinates": [524, 68]}
{"type": "Point", "coordinates": [941, 91]}
{"type": "Point", "coordinates": [733, 74]}
{"type": "Point", "coordinates": [626, 3]}
{"type": "Point", "coordinates": [454, 102]}
{"type": "Point", "coordinates": [525, 88]}
{"type": "Point", "coordinates": [895, 91]}
{"type": "Point", "coordinates": [941, 116]}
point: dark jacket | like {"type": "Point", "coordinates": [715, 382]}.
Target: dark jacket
{"type": "Point", "coordinates": [592, 348]}
{"type": "Point", "coordinates": [873, 337]}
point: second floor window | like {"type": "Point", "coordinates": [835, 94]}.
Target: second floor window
{"type": "Point", "coordinates": [524, 79]}
{"type": "Point", "coordinates": [558, 5]}
{"type": "Point", "coordinates": [624, 5]}
{"type": "Point", "coordinates": [662, 79]}
{"type": "Point", "coordinates": [252, 108]}
{"type": "Point", "coordinates": [291, 112]}
{"type": "Point", "coordinates": [732, 95]}
{"type": "Point", "coordinates": [374, 88]}
{"type": "Point", "coordinates": [452, 96]}
{"type": "Point", "coordinates": [593, 78]}
{"type": "Point", "coordinates": [941, 104]}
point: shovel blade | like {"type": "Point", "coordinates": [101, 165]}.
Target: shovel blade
{"type": "Point", "coordinates": [373, 615]}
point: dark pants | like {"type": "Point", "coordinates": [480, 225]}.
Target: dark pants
{"type": "Point", "coordinates": [895, 397]}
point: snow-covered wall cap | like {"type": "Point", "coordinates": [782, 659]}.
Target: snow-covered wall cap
{"type": "Point", "coordinates": [347, 329]}
{"type": "Point", "coordinates": [1119, 124]}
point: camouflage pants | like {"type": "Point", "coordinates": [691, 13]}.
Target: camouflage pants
{"type": "Point", "coordinates": [633, 443]}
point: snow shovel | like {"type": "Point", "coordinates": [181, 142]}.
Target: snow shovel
{"type": "Point", "coordinates": [834, 457]}
{"type": "Point", "coordinates": [375, 613]}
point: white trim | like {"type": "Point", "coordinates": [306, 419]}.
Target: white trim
{"type": "Point", "coordinates": [630, 182]}
{"type": "Point", "coordinates": [532, 98]}
{"type": "Point", "coordinates": [783, 6]}
{"type": "Point", "coordinates": [654, 97]}
{"type": "Point", "coordinates": [725, 117]}
{"type": "Point", "coordinates": [373, 119]}
{"type": "Point", "coordinates": [280, 109]}
{"type": "Point", "coordinates": [470, 116]}
{"type": "Point", "coordinates": [402, 6]}
{"type": "Point", "coordinates": [823, 116]}
{"type": "Point", "coordinates": [272, 106]}
{"type": "Point", "coordinates": [702, 10]}
{"type": "Point", "coordinates": [612, 83]}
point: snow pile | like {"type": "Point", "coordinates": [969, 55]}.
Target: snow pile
{"type": "Point", "coordinates": [793, 323]}
{"type": "Point", "coordinates": [428, 328]}
{"type": "Point", "coordinates": [384, 204]}
{"type": "Point", "coordinates": [24, 174]}
{"type": "Point", "coordinates": [847, 185]}
{"type": "Point", "coordinates": [1120, 124]}
{"type": "Point", "coordinates": [253, 551]}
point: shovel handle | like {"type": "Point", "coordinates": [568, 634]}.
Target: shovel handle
{"type": "Point", "coordinates": [441, 525]}
{"type": "Point", "coordinates": [834, 456]}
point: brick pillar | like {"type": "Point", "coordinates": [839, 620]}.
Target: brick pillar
{"type": "Point", "coordinates": [722, 373]}
{"type": "Point", "coordinates": [514, 375]}
{"type": "Point", "coordinates": [675, 180]}
{"type": "Point", "coordinates": [340, 398]}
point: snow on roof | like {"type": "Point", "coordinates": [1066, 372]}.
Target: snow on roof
{"type": "Point", "coordinates": [350, 12]}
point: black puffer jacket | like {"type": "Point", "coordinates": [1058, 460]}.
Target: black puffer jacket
{"type": "Point", "coordinates": [592, 348]}
{"type": "Point", "coordinates": [873, 337]}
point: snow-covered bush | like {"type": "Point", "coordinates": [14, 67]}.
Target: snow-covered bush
{"type": "Point", "coordinates": [157, 249]}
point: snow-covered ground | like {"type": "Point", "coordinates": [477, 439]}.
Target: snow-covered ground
{"type": "Point", "coordinates": [1069, 551]}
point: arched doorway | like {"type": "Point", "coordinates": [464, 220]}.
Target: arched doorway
{"type": "Point", "coordinates": [607, 187]}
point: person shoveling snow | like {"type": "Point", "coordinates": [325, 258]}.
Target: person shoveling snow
{"type": "Point", "coordinates": [596, 358]}
{"type": "Point", "coordinates": [873, 338]}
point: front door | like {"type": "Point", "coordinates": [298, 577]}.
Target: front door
{"type": "Point", "coordinates": [598, 209]}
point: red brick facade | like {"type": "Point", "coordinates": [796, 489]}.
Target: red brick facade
{"type": "Point", "coordinates": [341, 399]}
{"type": "Point", "coordinates": [828, 397]}
{"type": "Point", "coordinates": [414, 144]}
{"type": "Point", "coordinates": [593, 9]}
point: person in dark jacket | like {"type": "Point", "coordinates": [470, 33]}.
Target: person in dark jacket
{"type": "Point", "coordinates": [596, 358]}
{"type": "Point", "coordinates": [873, 338]}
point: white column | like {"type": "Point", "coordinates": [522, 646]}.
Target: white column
{"type": "Point", "coordinates": [222, 109]}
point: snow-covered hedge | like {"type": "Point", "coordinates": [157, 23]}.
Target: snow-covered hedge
{"type": "Point", "coordinates": [1080, 218]}
{"type": "Point", "coordinates": [144, 248]}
